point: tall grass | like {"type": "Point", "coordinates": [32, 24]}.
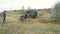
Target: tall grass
{"type": "Point", "coordinates": [34, 28]}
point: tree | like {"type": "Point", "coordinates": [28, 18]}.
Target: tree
{"type": "Point", "coordinates": [56, 11]}
{"type": "Point", "coordinates": [23, 10]}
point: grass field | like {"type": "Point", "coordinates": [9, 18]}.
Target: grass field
{"type": "Point", "coordinates": [29, 26]}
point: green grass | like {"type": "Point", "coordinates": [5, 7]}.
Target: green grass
{"type": "Point", "coordinates": [26, 28]}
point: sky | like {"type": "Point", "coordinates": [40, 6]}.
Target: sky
{"type": "Point", "coordinates": [17, 4]}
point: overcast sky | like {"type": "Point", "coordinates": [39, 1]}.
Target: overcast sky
{"type": "Point", "coordinates": [17, 4]}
